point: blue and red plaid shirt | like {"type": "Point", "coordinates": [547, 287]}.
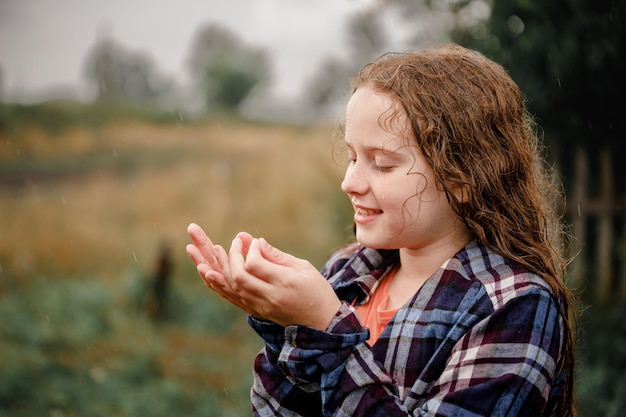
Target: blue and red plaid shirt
{"type": "Point", "coordinates": [482, 337]}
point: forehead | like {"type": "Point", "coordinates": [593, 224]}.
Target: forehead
{"type": "Point", "coordinates": [374, 119]}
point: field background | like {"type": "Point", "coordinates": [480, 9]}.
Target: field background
{"type": "Point", "coordinates": [90, 203]}
{"type": "Point", "coordinates": [85, 213]}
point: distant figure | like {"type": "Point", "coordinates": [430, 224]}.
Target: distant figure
{"type": "Point", "coordinates": [158, 297]}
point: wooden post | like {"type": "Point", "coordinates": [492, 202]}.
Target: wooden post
{"type": "Point", "coordinates": [622, 258]}
{"type": "Point", "coordinates": [578, 216]}
{"type": "Point", "coordinates": [604, 249]}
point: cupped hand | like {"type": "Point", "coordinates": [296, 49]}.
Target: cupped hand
{"type": "Point", "coordinates": [280, 287]}
{"type": "Point", "coordinates": [264, 281]}
{"type": "Point", "coordinates": [212, 264]}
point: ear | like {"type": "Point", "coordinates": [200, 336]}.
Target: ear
{"type": "Point", "coordinates": [461, 193]}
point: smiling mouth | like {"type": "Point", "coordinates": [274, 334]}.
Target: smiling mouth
{"type": "Point", "coordinates": [367, 212]}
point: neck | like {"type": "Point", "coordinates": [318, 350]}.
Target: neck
{"type": "Point", "coordinates": [421, 263]}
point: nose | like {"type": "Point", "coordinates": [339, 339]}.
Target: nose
{"type": "Point", "coordinates": [354, 181]}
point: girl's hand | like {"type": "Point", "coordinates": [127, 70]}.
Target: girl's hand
{"type": "Point", "coordinates": [278, 286]}
{"type": "Point", "coordinates": [263, 281]}
{"type": "Point", "coordinates": [212, 264]}
{"type": "Point", "coordinates": [202, 251]}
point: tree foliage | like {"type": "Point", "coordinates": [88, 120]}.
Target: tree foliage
{"type": "Point", "coordinates": [366, 41]}
{"type": "Point", "coordinates": [225, 69]}
{"type": "Point", "coordinates": [119, 74]}
{"type": "Point", "coordinates": [568, 57]}
{"type": "Point", "coordinates": [386, 26]}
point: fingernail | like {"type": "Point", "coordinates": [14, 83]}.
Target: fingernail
{"type": "Point", "coordinates": [208, 282]}
{"type": "Point", "coordinates": [264, 243]}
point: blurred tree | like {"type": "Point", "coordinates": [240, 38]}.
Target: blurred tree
{"type": "Point", "coordinates": [366, 35]}
{"type": "Point", "coordinates": [328, 85]}
{"type": "Point", "coordinates": [415, 24]}
{"type": "Point", "coordinates": [366, 41]}
{"type": "Point", "coordinates": [120, 75]}
{"type": "Point", "coordinates": [568, 57]}
{"type": "Point", "coordinates": [225, 69]}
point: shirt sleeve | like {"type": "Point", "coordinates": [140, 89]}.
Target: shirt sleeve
{"type": "Point", "coordinates": [337, 366]}
{"type": "Point", "coordinates": [504, 365]}
{"type": "Point", "coordinates": [272, 393]}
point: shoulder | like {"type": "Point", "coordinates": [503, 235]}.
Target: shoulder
{"type": "Point", "coordinates": [502, 278]}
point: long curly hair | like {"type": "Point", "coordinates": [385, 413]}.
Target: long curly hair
{"type": "Point", "coordinates": [472, 125]}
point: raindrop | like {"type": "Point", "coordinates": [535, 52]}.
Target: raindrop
{"type": "Point", "coordinates": [135, 256]}
{"type": "Point", "coordinates": [63, 201]}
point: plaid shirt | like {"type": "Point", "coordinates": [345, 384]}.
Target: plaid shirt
{"type": "Point", "coordinates": [482, 337]}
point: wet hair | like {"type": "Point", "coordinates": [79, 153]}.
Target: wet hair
{"type": "Point", "coordinates": [471, 123]}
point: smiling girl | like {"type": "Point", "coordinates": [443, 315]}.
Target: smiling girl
{"type": "Point", "coordinates": [452, 300]}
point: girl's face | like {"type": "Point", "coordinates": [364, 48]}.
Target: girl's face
{"type": "Point", "coordinates": [393, 190]}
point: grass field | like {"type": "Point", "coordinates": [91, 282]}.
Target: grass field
{"type": "Point", "coordinates": [83, 215]}
{"type": "Point", "coordinates": [97, 203]}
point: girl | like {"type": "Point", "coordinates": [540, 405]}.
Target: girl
{"type": "Point", "coordinates": [453, 301]}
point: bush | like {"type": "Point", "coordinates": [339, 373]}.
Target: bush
{"type": "Point", "coordinates": [602, 361]}
{"type": "Point", "coordinates": [69, 349]}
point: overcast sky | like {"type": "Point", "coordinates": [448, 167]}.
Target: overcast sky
{"type": "Point", "coordinates": [44, 43]}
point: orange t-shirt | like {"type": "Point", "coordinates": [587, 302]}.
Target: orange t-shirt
{"type": "Point", "coordinates": [374, 313]}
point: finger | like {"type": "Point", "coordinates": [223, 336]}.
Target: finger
{"type": "Point", "coordinates": [204, 269]}
{"type": "Point", "coordinates": [246, 239]}
{"type": "Point", "coordinates": [270, 264]}
{"type": "Point", "coordinates": [201, 241]}
{"type": "Point", "coordinates": [217, 283]}
{"type": "Point", "coordinates": [236, 263]}
{"type": "Point", "coordinates": [221, 258]}
{"type": "Point", "coordinates": [248, 286]}
{"type": "Point", "coordinates": [235, 254]}
{"type": "Point", "coordinates": [195, 255]}
{"type": "Point", "coordinates": [271, 253]}
{"type": "Point", "coordinates": [201, 266]}
{"type": "Point", "coordinates": [201, 261]}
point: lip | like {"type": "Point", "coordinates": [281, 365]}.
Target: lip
{"type": "Point", "coordinates": [363, 215]}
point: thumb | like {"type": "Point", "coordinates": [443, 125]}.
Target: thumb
{"type": "Point", "coordinates": [274, 255]}
{"type": "Point", "coordinates": [246, 240]}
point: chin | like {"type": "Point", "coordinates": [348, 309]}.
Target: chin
{"type": "Point", "coordinates": [375, 243]}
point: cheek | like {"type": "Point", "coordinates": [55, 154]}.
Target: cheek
{"type": "Point", "coordinates": [409, 191]}
{"type": "Point", "coordinates": [416, 203]}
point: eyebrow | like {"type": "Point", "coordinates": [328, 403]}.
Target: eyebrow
{"type": "Point", "coordinates": [374, 149]}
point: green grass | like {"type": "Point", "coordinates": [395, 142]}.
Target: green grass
{"type": "Point", "coordinates": [83, 213]}
{"type": "Point", "coordinates": [74, 348]}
